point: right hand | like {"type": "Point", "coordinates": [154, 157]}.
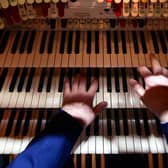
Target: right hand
{"type": "Point", "coordinates": [155, 93]}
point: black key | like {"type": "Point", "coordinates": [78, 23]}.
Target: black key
{"type": "Point", "coordinates": [96, 75]}
{"type": "Point", "coordinates": [155, 160]}
{"type": "Point", "coordinates": [109, 83]}
{"type": "Point", "coordinates": [143, 42]}
{"type": "Point", "coordinates": [166, 35]}
{"type": "Point", "coordinates": [22, 79]}
{"type": "Point", "coordinates": [3, 77]}
{"type": "Point", "coordinates": [52, 23]}
{"type": "Point", "coordinates": [141, 23]}
{"type": "Point", "coordinates": [146, 125]}
{"type": "Point", "coordinates": [62, 44]}
{"type": "Point", "coordinates": [116, 48]}
{"type": "Point", "coordinates": [96, 42]}
{"type": "Point", "coordinates": [89, 160]}
{"type": "Point", "coordinates": [16, 42]}
{"type": "Point", "coordinates": [1, 33]}
{"type": "Point", "coordinates": [79, 158]}
{"type": "Point", "coordinates": [77, 42]}
{"type": "Point", "coordinates": [96, 126]}
{"type": "Point", "coordinates": [162, 42]}
{"type": "Point", "coordinates": [135, 42]}
{"type": "Point", "coordinates": [158, 126]}
{"type": "Point", "coordinates": [4, 41]}
{"type": "Point", "coordinates": [117, 84]}
{"type": "Point", "coordinates": [51, 42]}
{"type": "Point", "coordinates": [27, 122]}
{"type": "Point", "coordinates": [30, 79]}
{"type": "Point", "coordinates": [19, 122]}
{"type": "Point", "coordinates": [124, 79]}
{"type": "Point", "coordinates": [31, 42]}
{"type": "Point", "coordinates": [14, 80]}
{"type": "Point", "coordinates": [89, 74]}
{"type": "Point", "coordinates": [64, 23]}
{"type": "Point", "coordinates": [69, 44]}
{"type": "Point", "coordinates": [1, 114]}
{"type": "Point", "coordinates": [69, 75]}
{"type": "Point", "coordinates": [154, 40]}
{"type": "Point", "coordinates": [109, 128]}
{"type": "Point", "coordinates": [117, 121]}
{"type": "Point", "coordinates": [4, 161]}
{"type": "Point", "coordinates": [43, 42]}
{"type": "Point", "coordinates": [137, 121]}
{"type": "Point", "coordinates": [112, 23]}
{"type": "Point", "coordinates": [135, 74]}
{"type": "Point", "coordinates": [89, 42]}
{"type": "Point", "coordinates": [23, 42]}
{"type": "Point", "coordinates": [49, 114]}
{"type": "Point", "coordinates": [123, 40]}
{"type": "Point", "coordinates": [125, 121]}
{"type": "Point", "coordinates": [10, 122]}
{"type": "Point", "coordinates": [39, 121]}
{"type": "Point", "coordinates": [42, 78]}
{"type": "Point", "coordinates": [98, 161]}
{"type": "Point", "coordinates": [49, 81]}
{"type": "Point", "coordinates": [61, 80]}
{"type": "Point", "coordinates": [108, 42]}
{"type": "Point", "coordinates": [165, 160]}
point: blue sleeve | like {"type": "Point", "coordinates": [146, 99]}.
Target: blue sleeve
{"type": "Point", "coordinates": [164, 127]}
{"type": "Point", "coordinates": [52, 147]}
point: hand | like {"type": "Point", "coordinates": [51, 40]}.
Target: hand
{"type": "Point", "coordinates": [77, 101]}
{"type": "Point", "coordinates": [155, 93]}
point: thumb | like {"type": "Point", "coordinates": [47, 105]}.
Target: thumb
{"type": "Point", "coordinates": [100, 107]}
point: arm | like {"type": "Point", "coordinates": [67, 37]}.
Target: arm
{"type": "Point", "coordinates": [54, 144]}
{"type": "Point", "coordinates": [155, 93]}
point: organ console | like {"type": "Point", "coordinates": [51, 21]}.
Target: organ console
{"type": "Point", "coordinates": [42, 41]}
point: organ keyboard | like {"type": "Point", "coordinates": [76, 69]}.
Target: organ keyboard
{"type": "Point", "coordinates": [42, 41]}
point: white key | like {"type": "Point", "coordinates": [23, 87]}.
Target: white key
{"type": "Point", "coordinates": [31, 56]}
{"type": "Point", "coordinates": [43, 94]}
{"type": "Point", "coordinates": [52, 55]}
{"type": "Point", "coordinates": [72, 56]}
{"type": "Point", "coordinates": [106, 94]}
{"type": "Point", "coordinates": [107, 56]}
{"type": "Point", "coordinates": [36, 94]}
{"type": "Point", "coordinates": [58, 57]}
{"type": "Point", "coordinates": [86, 56]}
{"type": "Point", "coordinates": [37, 58]}
{"type": "Point", "coordinates": [7, 56]}
{"type": "Point", "coordinates": [57, 94]}
{"type": "Point", "coordinates": [15, 93]}
{"type": "Point", "coordinates": [135, 57]}
{"type": "Point", "coordinates": [114, 59]}
{"type": "Point", "coordinates": [65, 56]}
{"type": "Point", "coordinates": [80, 55]}
{"type": "Point", "coordinates": [5, 92]}
{"type": "Point", "coordinates": [44, 55]}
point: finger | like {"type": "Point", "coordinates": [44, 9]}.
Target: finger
{"type": "Point", "coordinates": [144, 71]}
{"type": "Point", "coordinates": [82, 84]}
{"type": "Point", "coordinates": [156, 67]}
{"type": "Point", "coordinates": [93, 87]}
{"type": "Point", "coordinates": [137, 87]}
{"type": "Point", "coordinates": [75, 83]}
{"type": "Point", "coordinates": [100, 107]}
{"type": "Point", "coordinates": [66, 86]}
{"type": "Point", "coordinates": [165, 72]}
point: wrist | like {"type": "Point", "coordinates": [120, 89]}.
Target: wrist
{"type": "Point", "coordinates": [80, 111]}
{"type": "Point", "coordinates": [164, 116]}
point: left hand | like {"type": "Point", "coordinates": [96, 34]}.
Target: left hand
{"type": "Point", "coordinates": [78, 102]}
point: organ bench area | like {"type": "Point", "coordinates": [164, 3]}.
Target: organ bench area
{"type": "Point", "coordinates": [42, 41]}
